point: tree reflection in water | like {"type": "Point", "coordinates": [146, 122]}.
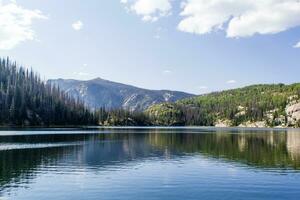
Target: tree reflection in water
{"type": "Point", "coordinates": [260, 149]}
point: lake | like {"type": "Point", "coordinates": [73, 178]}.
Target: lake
{"type": "Point", "coordinates": [149, 163]}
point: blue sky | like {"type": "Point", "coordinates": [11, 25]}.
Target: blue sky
{"type": "Point", "coordinates": [187, 45]}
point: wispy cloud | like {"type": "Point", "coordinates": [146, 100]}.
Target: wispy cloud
{"type": "Point", "coordinates": [231, 82]}
{"type": "Point", "coordinates": [78, 25]}
{"type": "Point", "coordinates": [16, 24]}
{"type": "Point", "coordinates": [159, 32]}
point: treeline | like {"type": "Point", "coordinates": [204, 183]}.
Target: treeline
{"type": "Point", "coordinates": [121, 117]}
{"type": "Point", "coordinates": [250, 104]}
{"type": "Point", "coordinates": [26, 100]}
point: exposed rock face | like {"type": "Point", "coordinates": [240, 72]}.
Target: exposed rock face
{"type": "Point", "coordinates": [260, 124]}
{"type": "Point", "coordinates": [242, 111]}
{"type": "Point", "coordinates": [100, 93]}
{"type": "Point", "coordinates": [293, 113]}
{"type": "Point", "coordinates": [223, 123]}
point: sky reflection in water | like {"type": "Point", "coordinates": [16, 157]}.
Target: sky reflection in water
{"type": "Point", "coordinates": [150, 164]}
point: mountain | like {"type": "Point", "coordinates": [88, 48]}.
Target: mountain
{"type": "Point", "coordinates": [275, 105]}
{"type": "Point", "coordinates": [100, 93]}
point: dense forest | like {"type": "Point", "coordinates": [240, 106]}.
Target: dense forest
{"type": "Point", "coordinates": [26, 100]}
{"type": "Point", "coordinates": [121, 117]}
{"type": "Point", "coordinates": [267, 104]}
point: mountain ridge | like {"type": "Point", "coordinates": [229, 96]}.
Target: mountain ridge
{"type": "Point", "coordinates": [101, 93]}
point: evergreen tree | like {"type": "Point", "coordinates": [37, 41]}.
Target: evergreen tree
{"type": "Point", "coordinates": [26, 100]}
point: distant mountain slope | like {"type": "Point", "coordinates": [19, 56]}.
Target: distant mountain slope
{"type": "Point", "coordinates": [276, 105]}
{"type": "Point", "coordinates": [99, 93]}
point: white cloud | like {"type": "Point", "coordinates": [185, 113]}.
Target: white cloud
{"type": "Point", "coordinates": [158, 33]}
{"type": "Point", "coordinates": [16, 24]}
{"type": "Point", "coordinates": [77, 25]}
{"type": "Point", "coordinates": [149, 10]}
{"type": "Point", "coordinates": [297, 45]}
{"type": "Point", "coordinates": [231, 82]}
{"type": "Point", "coordinates": [239, 18]}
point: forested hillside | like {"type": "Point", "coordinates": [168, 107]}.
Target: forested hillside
{"type": "Point", "coordinates": [253, 106]}
{"type": "Point", "coordinates": [26, 100]}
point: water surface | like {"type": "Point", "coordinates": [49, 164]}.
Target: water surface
{"type": "Point", "coordinates": [149, 163]}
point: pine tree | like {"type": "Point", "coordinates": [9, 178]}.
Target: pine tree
{"type": "Point", "coordinates": [26, 99]}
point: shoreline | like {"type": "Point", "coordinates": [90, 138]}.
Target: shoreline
{"type": "Point", "coordinates": [146, 127]}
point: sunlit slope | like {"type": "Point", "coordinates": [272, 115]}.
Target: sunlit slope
{"type": "Point", "coordinates": [252, 106]}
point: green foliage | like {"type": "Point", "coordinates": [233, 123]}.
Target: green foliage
{"type": "Point", "coordinates": [120, 117]}
{"type": "Point", "coordinates": [26, 100]}
{"type": "Point", "coordinates": [249, 104]}
{"type": "Point", "coordinates": [166, 114]}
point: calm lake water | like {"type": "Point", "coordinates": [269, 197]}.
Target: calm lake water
{"type": "Point", "coordinates": [141, 164]}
